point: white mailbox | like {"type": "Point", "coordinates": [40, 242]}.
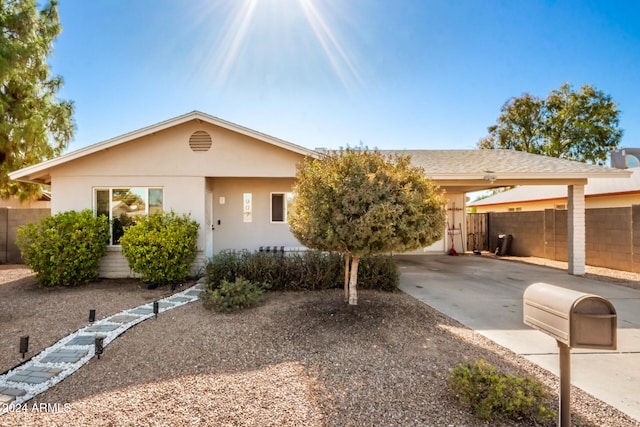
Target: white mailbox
{"type": "Point", "coordinates": [573, 318]}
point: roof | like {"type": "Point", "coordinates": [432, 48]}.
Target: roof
{"type": "Point", "coordinates": [452, 170]}
{"type": "Point", "coordinates": [595, 187]}
{"type": "Point", "coordinates": [39, 173]}
{"type": "Point", "coordinates": [472, 170]}
{"type": "Point", "coordinates": [502, 163]}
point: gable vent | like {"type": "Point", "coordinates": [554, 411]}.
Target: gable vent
{"type": "Point", "coordinates": [200, 141]}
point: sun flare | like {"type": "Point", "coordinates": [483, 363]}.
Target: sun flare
{"type": "Point", "coordinates": [284, 37]}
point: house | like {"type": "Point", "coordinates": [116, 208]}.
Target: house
{"type": "Point", "coordinates": [599, 193]}
{"type": "Point", "coordinates": [42, 202]}
{"type": "Point", "coordinates": [237, 183]}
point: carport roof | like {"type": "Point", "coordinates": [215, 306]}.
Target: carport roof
{"type": "Point", "coordinates": [598, 187]}
{"type": "Point", "coordinates": [473, 170]}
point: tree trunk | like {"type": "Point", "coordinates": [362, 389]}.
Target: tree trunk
{"type": "Point", "coordinates": [347, 258]}
{"type": "Point", "coordinates": [353, 282]}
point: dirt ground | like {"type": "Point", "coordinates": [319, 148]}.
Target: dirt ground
{"type": "Point", "coordinates": [301, 358]}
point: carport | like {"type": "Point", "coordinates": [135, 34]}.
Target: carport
{"type": "Point", "coordinates": [463, 171]}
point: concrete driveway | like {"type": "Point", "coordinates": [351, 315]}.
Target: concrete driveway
{"type": "Point", "coordinates": [485, 294]}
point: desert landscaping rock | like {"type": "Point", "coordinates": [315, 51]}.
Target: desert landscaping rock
{"type": "Point", "coordinates": [299, 359]}
{"type": "Point", "coordinates": [62, 359]}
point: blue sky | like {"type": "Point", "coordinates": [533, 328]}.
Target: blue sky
{"type": "Point", "coordinates": [329, 73]}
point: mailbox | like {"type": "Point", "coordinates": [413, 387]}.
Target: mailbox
{"type": "Point", "coordinates": [573, 318]}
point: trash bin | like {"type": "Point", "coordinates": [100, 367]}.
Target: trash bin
{"type": "Point", "coordinates": [499, 244]}
{"type": "Point", "coordinates": [503, 247]}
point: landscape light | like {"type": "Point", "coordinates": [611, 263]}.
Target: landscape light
{"type": "Point", "coordinates": [99, 345]}
{"type": "Point", "coordinates": [156, 308]}
{"type": "Point", "coordinates": [92, 316]}
{"type": "Point", "coordinates": [24, 345]}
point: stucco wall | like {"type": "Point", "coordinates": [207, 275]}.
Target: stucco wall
{"type": "Point", "coordinates": [192, 182]}
{"type": "Point", "coordinates": [230, 229]}
{"type": "Point", "coordinates": [455, 226]}
{"type": "Point", "coordinates": [591, 202]}
{"type": "Point", "coordinates": [167, 153]}
{"type": "Point", "coordinates": [182, 194]}
{"type": "Point", "coordinates": [14, 202]}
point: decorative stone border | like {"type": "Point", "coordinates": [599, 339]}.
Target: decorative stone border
{"type": "Point", "coordinates": [57, 362]}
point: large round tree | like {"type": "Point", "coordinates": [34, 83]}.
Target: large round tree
{"type": "Point", "coordinates": [577, 125]}
{"type": "Point", "coordinates": [364, 203]}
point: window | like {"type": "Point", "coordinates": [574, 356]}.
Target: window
{"type": "Point", "coordinates": [123, 205]}
{"type": "Point", "coordinates": [280, 203]}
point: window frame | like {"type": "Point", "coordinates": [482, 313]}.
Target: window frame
{"type": "Point", "coordinates": [147, 191]}
{"type": "Point", "coordinates": [287, 197]}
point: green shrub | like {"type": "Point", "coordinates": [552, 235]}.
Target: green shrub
{"type": "Point", "coordinates": [317, 270]}
{"type": "Point", "coordinates": [492, 395]}
{"type": "Point", "coordinates": [260, 267]}
{"type": "Point", "coordinates": [64, 249]}
{"type": "Point", "coordinates": [226, 265]}
{"type": "Point", "coordinates": [233, 296]}
{"type": "Point", "coordinates": [306, 270]}
{"type": "Point", "coordinates": [378, 272]}
{"type": "Point", "coordinates": [161, 247]}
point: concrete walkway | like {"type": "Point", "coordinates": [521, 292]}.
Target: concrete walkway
{"type": "Point", "coordinates": [55, 363]}
{"type": "Point", "coordinates": [485, 294]}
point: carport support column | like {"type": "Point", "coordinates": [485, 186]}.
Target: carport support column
{"type": "Point", "coordinates": [576, 230]}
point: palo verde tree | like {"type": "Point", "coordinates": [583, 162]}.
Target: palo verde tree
{"type": "Point", "coordinates": [576, 125]}
{"type": "Point", "coordinates": [363, 203]}
{"type": "Point", "coordinates": [34, 124]}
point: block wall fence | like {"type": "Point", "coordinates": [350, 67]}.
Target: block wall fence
{"type": "Point", "coordinates": [10, 220]}
{"type": "Point", "coordinates": [612, 235]}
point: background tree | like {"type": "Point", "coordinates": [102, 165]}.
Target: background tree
{"type": "Point", "coordinates": [362, 203]}
{"type": "Point", "coordinates": [576, 125]}
{"type": "Point", "coordinates": [34, 124]}
{"type": "Point", "coordinates": [519, 126]}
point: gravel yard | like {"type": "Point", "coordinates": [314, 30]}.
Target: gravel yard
{"type": "Point", "coordinates": [622, 278]}
{"type": "Point", "coordinates": [300, 359]}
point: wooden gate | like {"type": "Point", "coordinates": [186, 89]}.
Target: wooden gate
{"type": "Point", "coordinates": [477, 231]}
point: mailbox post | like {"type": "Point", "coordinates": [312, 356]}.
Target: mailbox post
{"type": "Point", "coordinates": [575, 320]}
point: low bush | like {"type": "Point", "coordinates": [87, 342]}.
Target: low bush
{"type": "Point", "coordinates": [226, 265]}
{"type": "Point", "coordinates": [492, 395]}
{"type": "Point", "coordinates": [233, 296]}
{"type": "Point", "coordinates": [64, 249]}
{"type": "Point", "coordinates": [306, 270]}
{"type": "Point", "coordinates": [379, 272]}
{"type": "Point", "coordinates": [161, 247]}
